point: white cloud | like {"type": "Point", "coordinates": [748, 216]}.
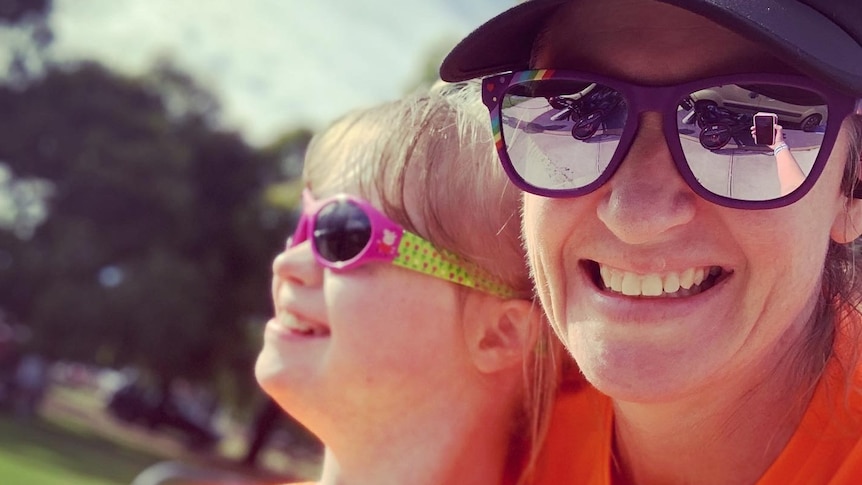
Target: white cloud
{"type": "Point", "coordinates": [274, 63]}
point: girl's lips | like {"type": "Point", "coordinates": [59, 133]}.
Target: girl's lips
{"type": "Point", "coordinates": [289, 325]}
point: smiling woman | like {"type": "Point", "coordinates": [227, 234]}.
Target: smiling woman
{"type": "Point", "coordinates": [710, 302]}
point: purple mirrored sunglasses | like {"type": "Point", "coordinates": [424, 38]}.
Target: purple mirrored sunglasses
{"type": "Point", "coordinates": [564, 133]}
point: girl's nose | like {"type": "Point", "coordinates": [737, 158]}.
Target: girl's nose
{"type": "Point", "coordinates": [297, 265]}
{"type": "Point", "coordinates": [647, 197]}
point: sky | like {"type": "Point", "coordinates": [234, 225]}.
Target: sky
{"type": "Point", "coordinates": [275, 65]}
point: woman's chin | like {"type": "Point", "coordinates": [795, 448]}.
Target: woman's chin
{"type": "Point", "coordinates": [638, 371]}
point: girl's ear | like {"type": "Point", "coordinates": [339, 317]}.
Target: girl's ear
{"type": "Point", "coordinates": [499, 333]}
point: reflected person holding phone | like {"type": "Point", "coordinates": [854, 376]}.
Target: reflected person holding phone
{"type": "Point", "coordinates": [790, 174]}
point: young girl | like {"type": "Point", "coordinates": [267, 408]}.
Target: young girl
{"type": "Point", "coordinates": [405, 334]}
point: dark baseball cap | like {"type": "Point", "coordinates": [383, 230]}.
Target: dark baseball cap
{"type": "Point", "coordinates": [821, 38]}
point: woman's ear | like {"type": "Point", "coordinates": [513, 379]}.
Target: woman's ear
{"type": "Point", "coordinates": [499, 333]}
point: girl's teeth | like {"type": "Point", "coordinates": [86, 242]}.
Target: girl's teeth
{"type": "Point", "coordinates": [301, 328]}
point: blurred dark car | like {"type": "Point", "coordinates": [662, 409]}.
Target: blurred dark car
{"type": "Point", "coordinates": [136, 404]}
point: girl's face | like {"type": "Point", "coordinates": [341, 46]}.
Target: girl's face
{"type": "Point", "coordinates": [366, 340]}
{"type": "Point", "coordinates": [647, 221]}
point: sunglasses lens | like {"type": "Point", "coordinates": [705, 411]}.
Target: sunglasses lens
{"type": "Point", "coordinates": [561, 134]}
{"type": "Point", "coordinates": [714, 127]}
{"type": "Point", "coordinates": [342, 230]}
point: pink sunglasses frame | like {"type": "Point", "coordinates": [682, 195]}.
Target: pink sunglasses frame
{"type": "Point", "coordinates": [390, 243]}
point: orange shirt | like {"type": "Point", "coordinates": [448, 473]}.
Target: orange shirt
{"type": "Point", "coordinates": [826, 448]}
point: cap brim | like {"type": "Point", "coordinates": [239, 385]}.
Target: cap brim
{"type": "Point", "coordinates": [502, 44]}
{"type": "Point", "coordinates": [800, 35]}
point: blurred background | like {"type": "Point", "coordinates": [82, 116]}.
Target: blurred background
{"type": "Point", "coordinates": [149, 160]}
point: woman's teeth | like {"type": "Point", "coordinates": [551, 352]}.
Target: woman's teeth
{"type": "Point", "coordinates": [689, 282]}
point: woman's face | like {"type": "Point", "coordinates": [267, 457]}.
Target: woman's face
{"type": "Point", "coordinates": [373, 339]}
{"type": "Point", "coordinates": [647, 221]}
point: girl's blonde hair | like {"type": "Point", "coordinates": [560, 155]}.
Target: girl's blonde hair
{"type": "Point", "coordinates": [440, 140]}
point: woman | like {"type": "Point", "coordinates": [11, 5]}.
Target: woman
{"type": "Point", "coordinates": [713, 312]}
{"type": "Point", "coordinates": [417, 357]}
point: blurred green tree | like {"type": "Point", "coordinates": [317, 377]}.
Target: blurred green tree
{"type": "Point", "coordinates": [157, 238]}
{"type": "Point", "coordinates": [133, 230]}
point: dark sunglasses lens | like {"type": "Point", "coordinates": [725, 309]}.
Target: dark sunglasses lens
{"type": "Point", "coordinates": [341, 231]}
{"type": "Point", "coordinates": [715, 132]}
{"type": "Point", "coordinates": [561, 134]}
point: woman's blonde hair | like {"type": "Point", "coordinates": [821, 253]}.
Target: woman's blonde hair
{"type": "Point", "coordinates": [440, 139]}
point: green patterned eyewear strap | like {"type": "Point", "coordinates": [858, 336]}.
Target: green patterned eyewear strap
{"type": "Point", "coordinates": [420, 255]}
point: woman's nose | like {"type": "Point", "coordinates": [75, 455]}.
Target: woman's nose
{"type": "Point", "coordinates": [297, 265]}
{"type": "Point", "coordinates": [647, 197]}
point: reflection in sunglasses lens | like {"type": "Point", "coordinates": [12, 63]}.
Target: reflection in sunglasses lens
{"type": "Point", "coordinates": [715, 132]}
{"type": "Point", "coordinates": [341, 231]}
{"type": "Point", "coordinates": [563, 134]}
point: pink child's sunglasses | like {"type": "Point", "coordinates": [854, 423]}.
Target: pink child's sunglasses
{"type": "Point", "coordinates": [347, 232]}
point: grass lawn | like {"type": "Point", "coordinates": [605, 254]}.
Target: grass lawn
{"type": "Point", "coordinates": [74, 442]}
{"type": "Point", "coordinates": [40, 452]}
